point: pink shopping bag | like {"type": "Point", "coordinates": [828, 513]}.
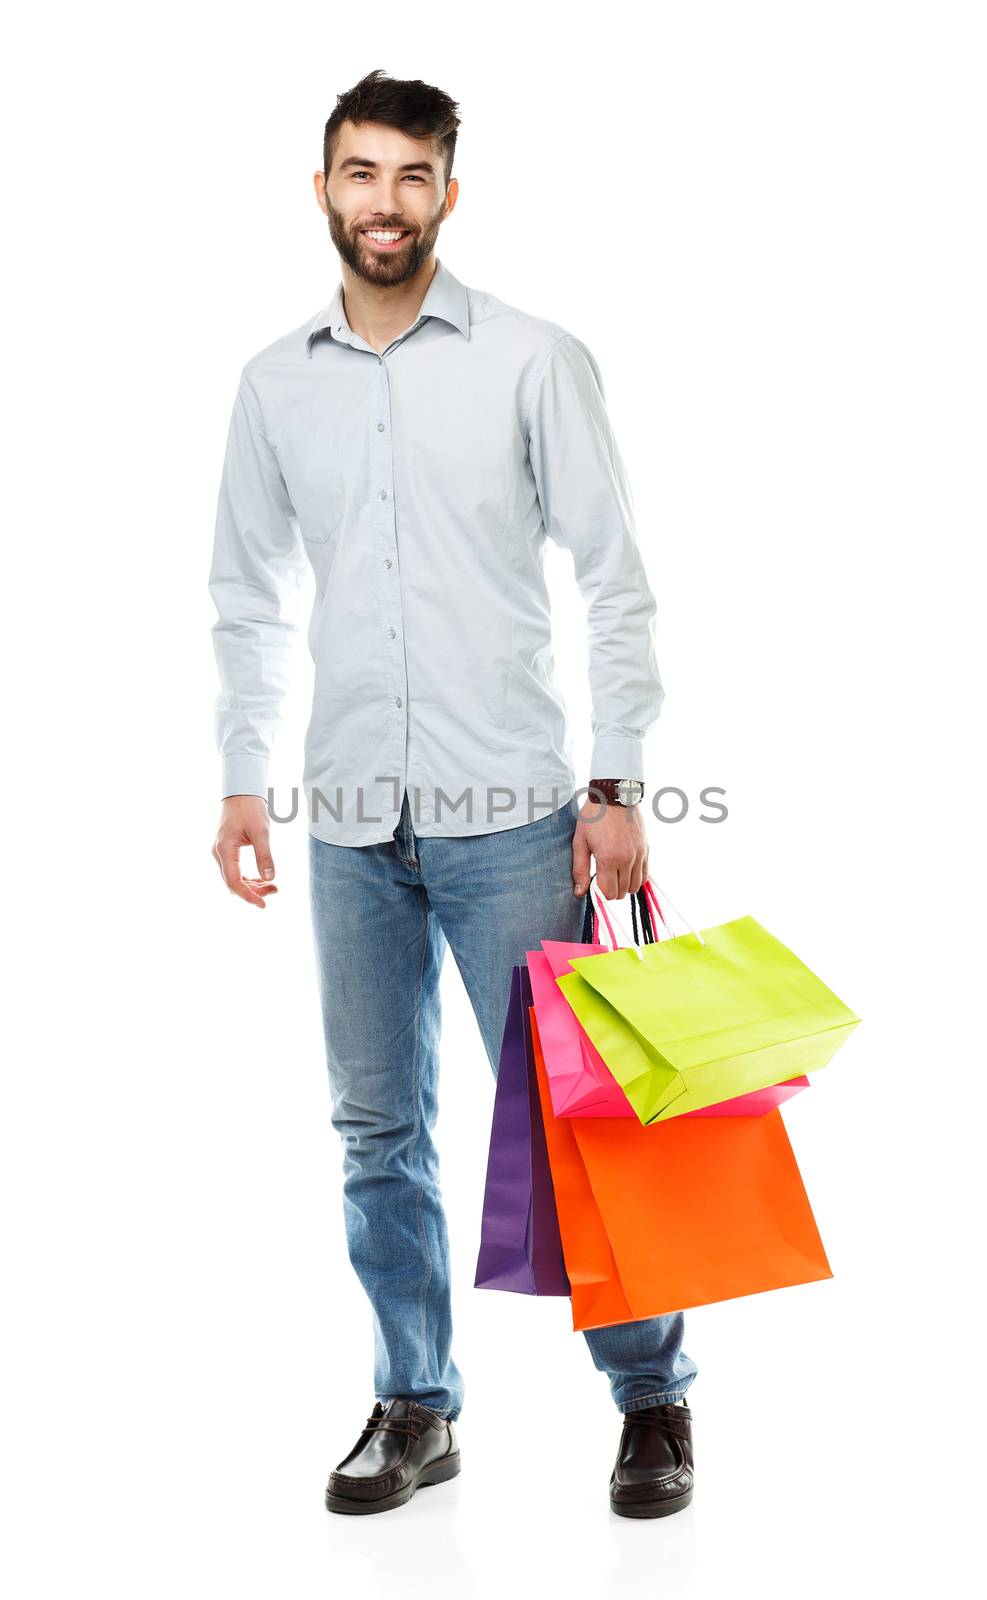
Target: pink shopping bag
{"type": "Point", "coordinates": [580, 1082]}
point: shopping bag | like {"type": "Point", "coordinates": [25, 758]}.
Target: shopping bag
{"type": "Point", "coordinates": [755, 1104]}
{"type": "Point", "coordinates": [520, 1247]}
{"type": "Point", "coordinates": [691, 1021]}
{"type": "Point", "coordinates": [580, 1081]}
{"type": "Point", "coordinates": [685, 1213]}
{"type": "Point", "coordinates": [647, 913]}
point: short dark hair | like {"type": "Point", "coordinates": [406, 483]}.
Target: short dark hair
{"type": "Point", "coordinates": [418, 109]}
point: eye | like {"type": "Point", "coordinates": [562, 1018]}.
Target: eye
{"type": "Point", "coordinates": [415, 177]}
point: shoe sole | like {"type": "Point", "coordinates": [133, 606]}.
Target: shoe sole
{"type": "Point", "coordinates": [651, 1508]}
{"type": "Point", "coordinates": [438, 1472]}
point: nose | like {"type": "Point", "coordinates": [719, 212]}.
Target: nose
{"type": "Point", "coordinates": [388, 202]}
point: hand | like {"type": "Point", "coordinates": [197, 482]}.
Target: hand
{"type": "Point", "coordinates": [616, 836]}
{"type": "Point", "coordinates": [244, 821]}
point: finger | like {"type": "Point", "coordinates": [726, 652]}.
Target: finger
{"type": "Point", "coordinates": [243, 892]}
{"type": "Point", "coordinates": [638, 874]}
{"type": "Point", "coordinates": [228, 851]}
{"type": "Point", "coordinates": [621, 878]}
{"type": "Point", "coordinates": [606, 881]}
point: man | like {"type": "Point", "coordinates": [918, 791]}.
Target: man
{"type": "Point", "coordinates": [416, 441]}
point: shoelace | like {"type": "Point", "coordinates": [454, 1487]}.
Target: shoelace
{"type": "Point", "coordinates": [410, 1426]}
{"type": "Point", "coordinates": [667, 1424]}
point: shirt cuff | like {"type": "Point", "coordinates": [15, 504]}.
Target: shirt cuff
{"type": "Point", "coordinates": [245, 774]}
{"type": "Point", "coordinates": [617, 755]}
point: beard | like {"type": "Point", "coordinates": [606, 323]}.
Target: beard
{"type": "Point", "coordinates": [393, 266]}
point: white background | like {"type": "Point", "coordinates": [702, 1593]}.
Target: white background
{"type": "Point", "coordinates": [766, 220]}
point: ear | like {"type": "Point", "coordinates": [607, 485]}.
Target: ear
{"type": "Point", "coordinates": [452, 195]}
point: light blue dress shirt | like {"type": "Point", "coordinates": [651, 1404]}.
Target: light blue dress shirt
{"type": "Point", "coordinates": [420, 484]}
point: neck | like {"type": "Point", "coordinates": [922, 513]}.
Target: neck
{"type": "Point", "coordinates": [378, 312]}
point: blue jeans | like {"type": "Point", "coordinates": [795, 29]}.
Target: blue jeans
{"type": "Point", "coordinates": [382, 915]}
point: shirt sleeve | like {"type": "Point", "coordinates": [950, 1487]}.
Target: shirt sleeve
{"type": "Point", "coordinates": [258, 565]}
{"type": "Point", "coordinates": [587, 508]}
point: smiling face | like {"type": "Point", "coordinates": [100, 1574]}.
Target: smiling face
{"type": "Point", "coordinates": [385, 198]}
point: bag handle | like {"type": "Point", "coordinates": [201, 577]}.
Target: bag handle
{"type": "Point", "coordinates": [649, 893]}
{"type": "Point", "coordinates": [640, 908]}
{"type": "Point", "coordinates": [650, 899]}
{"type": "Point", "coordinates": [650, 887]}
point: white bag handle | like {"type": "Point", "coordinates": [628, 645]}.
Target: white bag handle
{"type": "Point", "coordinates": [656, 891]}
{"type": "Point", "coordinates": [607, 913]}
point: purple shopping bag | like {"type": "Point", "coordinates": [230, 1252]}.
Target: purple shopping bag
{"type": "Point", "coordinates": [520, 1246]}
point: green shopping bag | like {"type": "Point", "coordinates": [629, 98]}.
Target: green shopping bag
{"type": "Point", "coordinates": [696, 1019]}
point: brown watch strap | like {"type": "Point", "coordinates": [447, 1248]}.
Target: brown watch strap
{"type": "Point", "coordinates": [608, 788]}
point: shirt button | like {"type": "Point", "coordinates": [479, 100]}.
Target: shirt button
{"type": "Point", "coordinates": [390, 633]}
{"type": "Point", "coordinates": [397, 702]}
{"type": "Point", "coordinates": [380, 427]}
{"type": "Point", "coordinates": [387, 561]}
{"type": "Point", "coordinates": [383, 494]}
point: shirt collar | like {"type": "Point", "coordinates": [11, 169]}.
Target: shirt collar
{"type": "Point", "coordinates": [445, 297]}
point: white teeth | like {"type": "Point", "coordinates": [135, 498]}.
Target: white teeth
{"type": "Point", "coordinates": [384, 238]}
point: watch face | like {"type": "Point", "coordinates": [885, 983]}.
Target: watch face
{"type": "Point", "coordinates": [630, 791]}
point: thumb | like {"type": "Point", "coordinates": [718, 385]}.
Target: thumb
{"type": "Point", "coordinates": [580, 862]}
{"type": "Point", "coordinates": [261, 842]}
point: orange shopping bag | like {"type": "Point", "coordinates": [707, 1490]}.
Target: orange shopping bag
{"type": "Point", "coordinates": [680, 1213]}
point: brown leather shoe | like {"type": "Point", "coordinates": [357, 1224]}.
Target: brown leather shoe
{"type": "Point", "coordinates": [653, 1475]}
{"type": "Point", "coordinates": [403, 1446]}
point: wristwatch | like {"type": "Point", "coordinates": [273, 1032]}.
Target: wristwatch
{"type": "Point", "coordinates": [619, 791]}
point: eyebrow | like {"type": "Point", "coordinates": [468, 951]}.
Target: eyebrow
{"type": "Point", "coordinates": [409, 166]}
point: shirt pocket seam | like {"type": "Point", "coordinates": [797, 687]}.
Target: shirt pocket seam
{"type": "Point", "coordinates": [338, 490]}
{"type": "Point", "coordinates": [327, 538]}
